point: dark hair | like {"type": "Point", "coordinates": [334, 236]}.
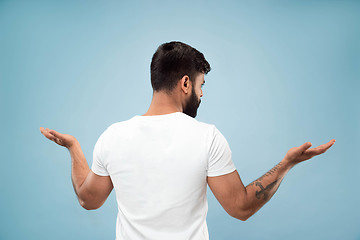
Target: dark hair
{"type": "Point", "coordinates": [172, 61]}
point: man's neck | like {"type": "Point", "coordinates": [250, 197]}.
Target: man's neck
{"type": "Point", "coordinates": [163, 103]}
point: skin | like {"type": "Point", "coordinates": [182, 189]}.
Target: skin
{"type": "Point", "coordinates": [163, 103]}
{"type": "Point", "coordinates": [238, 201]}
{"type": "Point", "coordinates": [242, 202]}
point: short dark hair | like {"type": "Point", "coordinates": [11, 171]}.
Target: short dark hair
{"type": "Point", "coordinates": [172, 61]}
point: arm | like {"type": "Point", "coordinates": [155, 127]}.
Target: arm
{"type": "Point", "coordinates": [242, 202]}
{"type": "Point", "coordinates": [261, 190]}
{"type": "Point", "coordinates": [79, 170]}
{"type": "Point", "coordinates": [91, 190]}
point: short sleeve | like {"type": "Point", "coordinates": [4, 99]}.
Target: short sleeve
{"type": "Point", "coordinates": [98, 166]}
{"type": "Point", "coordinates": [220, 156]}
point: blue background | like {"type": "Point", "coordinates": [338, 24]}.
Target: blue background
{"type": "Point", "coordinates": [283, 73]}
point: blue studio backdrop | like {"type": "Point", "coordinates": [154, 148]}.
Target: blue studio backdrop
{"type": "Point", "coordinates": [283, 73]}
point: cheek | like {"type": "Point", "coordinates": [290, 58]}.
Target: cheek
{"type": "Point", "coordinates": [198, 93]}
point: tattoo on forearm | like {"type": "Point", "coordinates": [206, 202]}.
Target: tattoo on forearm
{"type": "Point", "coordinates": [265, 191]}
{"type": "Point", "coordinates": [274, 169]}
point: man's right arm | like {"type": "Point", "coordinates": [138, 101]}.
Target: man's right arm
{"type": "Point", "coordinates": [240, 202]}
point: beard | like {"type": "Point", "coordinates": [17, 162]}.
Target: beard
{"type": "Point", "coordinates": [192, 105]}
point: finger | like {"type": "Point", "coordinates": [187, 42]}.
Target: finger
{"type": "Point", "coordinates": [320, 149]}
{"type": "Point", "coordinates": [48, 135]}
{"type": "Point", "coordinates": [58, 141]}
{"type": "Point", "coordinates": [325, 146]}
{"type": "Point", "coordinates": [329, 144]}
{"type": "Point", "coordinates": [313, 152]}
{"type": "Point", "coordinates": [332, 141]}
{"type": "Point", "coordinates": [305, 146]}
{"type": "Point", "coordinates": [47, 131]}
{"type": "Point", "coordinates": [55, 133]}
{"type": "Point", "coordinates": [42, 130]}
{"type": "Point", "coordinates": [52, 132]}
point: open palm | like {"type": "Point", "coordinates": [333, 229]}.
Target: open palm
{"type": "Point", "coordinates": [302, 153]}
{"type": "Point", "coordinates": [64, 140]}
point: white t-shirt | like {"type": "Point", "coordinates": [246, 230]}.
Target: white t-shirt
{"type": "Point", "coordinates": [158, 166]}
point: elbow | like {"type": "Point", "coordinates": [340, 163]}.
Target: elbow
{"type": "Point", "coordinates": [87, 206]}
{"type": "Point", "coordinates": [88, 202]}
{"type": "Point", "coordinates": [244, 210]}
{"type": "Point", "coordinates": [243, 215]}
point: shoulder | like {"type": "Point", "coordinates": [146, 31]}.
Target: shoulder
{"type": "Point", "coordinates": [120, 125]}
{"type": "Point", "coordinates": [212, 131]}
{"type": "Point", "coordinates": [114, 127]}
{"type": "Point", "coordinates": [208, 128]}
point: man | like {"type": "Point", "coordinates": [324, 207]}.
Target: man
{"type": "Point", "coordinates": [161, 162]}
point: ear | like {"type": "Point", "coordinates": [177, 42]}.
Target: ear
{"type": "Point", "coordinates": [185, 84]}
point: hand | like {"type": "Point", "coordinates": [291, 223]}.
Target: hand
{"type": "Point", "coordinates": [64, 140]}
{"type": "Point", "coordinates": [299, 154]}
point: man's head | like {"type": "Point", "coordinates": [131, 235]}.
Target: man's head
{"type": "Point", "coordinates": [178, 69]}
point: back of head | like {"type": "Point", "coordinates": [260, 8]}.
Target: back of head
{"type": "Point", "coordinates": [172, 61]}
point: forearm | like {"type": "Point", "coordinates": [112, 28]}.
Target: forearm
{"type": "Point", "coordinates": [261, 190]}
{"type": "Point", "coordinates": [79, 167]}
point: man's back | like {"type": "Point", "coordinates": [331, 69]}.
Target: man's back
{"type": "Point", "coordinates": [158, 166]}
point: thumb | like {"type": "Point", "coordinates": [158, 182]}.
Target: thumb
{"type": "Point", "coordinates": [305, 146]}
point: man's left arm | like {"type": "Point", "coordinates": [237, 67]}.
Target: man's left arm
{"type": "Point", "coordinates": [92, 190]}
